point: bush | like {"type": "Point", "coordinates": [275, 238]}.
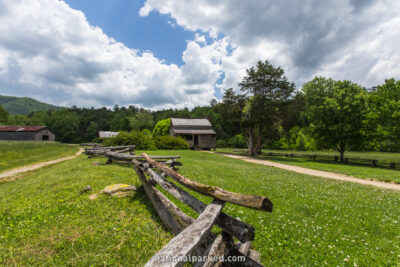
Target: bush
{"type": "Point", "coordinates": [170, 142]}
{"type": "Point", "coordinates": [162, 127]}
{"type": "Point", "coordinates": [221, 143]}
{"type": "Point", "coordinates": [142, 140]}
{"type": "Point", "coordinates": [237, 141]}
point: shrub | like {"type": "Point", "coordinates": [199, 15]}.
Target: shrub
{"type": "Point", "coordinates": [162, 127]}
{"type": "Point", "coordinates": [221, 143]}
{"type": "Point", "coordinates": [142, 140]}
{"type": "Point", "coordinates": [170, 142]}
{"type": "Point", "coordinates": [237, 141]}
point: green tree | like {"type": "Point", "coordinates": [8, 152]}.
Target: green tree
{"type": "Point", "coordinates": [385, 115]}
{"type": "Point", "coordinates": [92, 131]}
{"type": "Point", "coordinates": [338, 111]}
{"type": "Point", "coordinates": [162, 127]}
{"type": "Point", "coordinates": [141, 120]}
{"type": "Point", "coordinates": [3, 115]}
{"type": "Point", "coordinates": [269, 91]}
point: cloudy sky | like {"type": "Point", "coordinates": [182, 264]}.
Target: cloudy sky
{"type": "Point", "coordinates": [175, 53]}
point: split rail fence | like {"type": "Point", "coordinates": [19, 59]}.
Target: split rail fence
{"type": "Point", "coordinates": [194, 241]}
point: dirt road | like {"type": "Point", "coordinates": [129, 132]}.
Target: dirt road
{"type": "Point", "coordinates": [37, 165]}
{"type": "Point", "coordinates": [323, 174]}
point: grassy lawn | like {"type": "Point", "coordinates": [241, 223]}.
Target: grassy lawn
{"type": "Point", "coordinates": [353, 169]}
{"type": "Point", "coordinates": [45, 221]}
{"type": "Point", "coordinates": [14, 154]}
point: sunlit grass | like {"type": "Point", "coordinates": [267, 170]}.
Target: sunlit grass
{"type": "Point", "coordinates": [14, 154]}
{"type": "Point", "coordinates": [45, 221]}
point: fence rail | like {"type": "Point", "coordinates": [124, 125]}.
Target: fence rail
{"type": "Point", "coordinates": [193, 237]}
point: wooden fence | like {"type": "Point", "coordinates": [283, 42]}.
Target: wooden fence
{"type": "Point", "coordinates": [194, 241]}
{"type": "Point", "coordinates": [370, 162]}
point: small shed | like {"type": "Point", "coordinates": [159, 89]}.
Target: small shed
{"type": "Point", "coordinates": [107, 134]}
{"type": "Point", "coordinates": [198, 133]}
{"type": "Point", "coordinates": [26, 133]}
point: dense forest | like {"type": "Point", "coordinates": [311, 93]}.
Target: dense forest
{"type": "Point", "coordinates": [267, 112]}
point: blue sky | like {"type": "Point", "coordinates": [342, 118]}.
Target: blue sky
{"type": "Point", "coordinates": [120, 20]}
{"type": "Point", "coordinates": [183, 53]}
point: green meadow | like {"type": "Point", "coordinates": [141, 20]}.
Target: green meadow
{"type": "Point", "coordinates": [44, 220]}
{"type": "Point", "coordinates": [14, 154]}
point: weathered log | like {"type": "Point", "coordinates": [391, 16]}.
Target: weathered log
{"type": "Point", "coordinates": [183, 219]}
{"type": "Point", "coordinates": [216, 250]}
{"type": "Point", "coordinates": [176, 251]}
{"type": "Point", "coordinates": [242, 231]}
{"type": "Point", "coordinates": [244, 248]}
{"type": "Point", "coordinates": [112, 148]}
{"type": "Point", "coordinates": [250, 201]}
{"type": "Point", "coordinates": [162, 211]}
{"type": "Point", "coordinates": [254, 255]}
{"type": "Point", "coordinates": [131, 157]}
{"type": "Point", "coordinates": [241, 259]}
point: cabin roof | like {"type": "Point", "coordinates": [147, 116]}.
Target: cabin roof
{"type": "Point", "coordinates": [191, 131]}
{"type": "Point", "coordinates": [107, 134]}
{"type": "Point", "coordinates": [190, 122]}
{"type": "Point", "coordinates": [21, 128]}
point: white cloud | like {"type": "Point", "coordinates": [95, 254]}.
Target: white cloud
{"type": "Point", "coordinates": [345, 39]}
{"type": "Point", "coordinates": [50, 52]}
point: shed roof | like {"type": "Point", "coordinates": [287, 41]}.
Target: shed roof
{"type": "Point", "coordinates": [190, 122]}
{"type": "Point", "coordinates": [107, 134]}
{"type": "Point", "coordinates": [189, 131]}
{"type": "Point", "coordinates": [21, 128]}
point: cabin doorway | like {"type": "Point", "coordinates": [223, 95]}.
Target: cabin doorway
{"type": "Point", "coordinates": [45, 137]}
{"type": "Point", "coordinates": [196, 140]}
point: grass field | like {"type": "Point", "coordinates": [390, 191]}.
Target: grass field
{"type": "Point", "coordinates": [45, 221]}
{"type": "Point", "coordinates": [14, 154]}
{"type": "Point", "coordinates": [357, 170]}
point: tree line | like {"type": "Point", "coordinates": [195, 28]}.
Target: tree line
{"type": "Point", "coordinates": [267, 112]}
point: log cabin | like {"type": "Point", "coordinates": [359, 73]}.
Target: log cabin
{"type": "Point", "coordinates": [198, 133]}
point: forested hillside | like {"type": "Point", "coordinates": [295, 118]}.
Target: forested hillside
{"type": "Point", "coordinates": [24, 105]}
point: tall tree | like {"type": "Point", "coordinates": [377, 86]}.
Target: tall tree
{"type": "Point", "coordinates": [3, 115]}
{"type": "Point", "coordinates": [338, 111]}
{"type": "Point", "coordinates": [385, 115]}
{"type": "Point", "coordinates": [269, 92]}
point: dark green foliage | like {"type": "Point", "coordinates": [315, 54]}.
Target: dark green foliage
{"type": "Point", "coordinates": [170, 142]}
{"type": "Point", "coordinates": [141, 120]}
{"type": "Point", "coordinates": [385, 115]}
{"type": "Point", "coordinates": [162, 127]}
{"type": "Point", "coordinates": [269, 94]}
{"type": "Point", "coordinates": [141, 139]}
{"type": "Point", "coordinates": [338, 111]}
{"type": "Point", "coordinates": [24, 105]}
{"type": "Point", "coordinates": [3, 116]}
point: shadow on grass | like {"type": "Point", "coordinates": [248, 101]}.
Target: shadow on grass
{"type": "Point", "coordinates": [140, 196]}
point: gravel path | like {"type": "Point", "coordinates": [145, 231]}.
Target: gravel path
{"type": "Point", "coordinates": [324, 174]}
{"type": "Point", "coordinates": [37, 165]}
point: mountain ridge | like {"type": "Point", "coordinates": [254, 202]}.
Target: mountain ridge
{"type": "Point", "coordinates": [24, 105]}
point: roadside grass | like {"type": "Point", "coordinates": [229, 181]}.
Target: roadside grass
{"type": "Point", "coordinates": [353, 169]}
{"type": "Point", "coordinates": [15, 154]}
{"type": "Point", "coordinates": [45, 221]}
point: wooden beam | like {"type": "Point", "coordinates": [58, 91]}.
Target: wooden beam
{"type": "Point", "coordinates": [249, 201]}
{"type": "Point", "coordinates": [183, 219]}
{"type": "Point", "coordinates": [216, 250]}
{"type": "Point", "coordinates": [162, 211]}
{"type": "Point", "coordinates": [242, 231]}
{"type": "Point", "coordinates": [175, 253]}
